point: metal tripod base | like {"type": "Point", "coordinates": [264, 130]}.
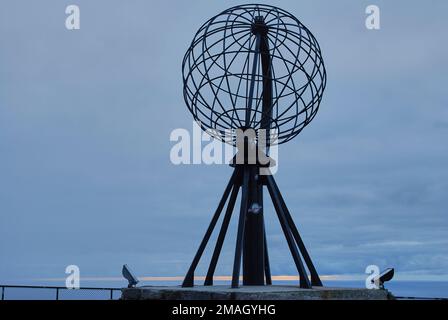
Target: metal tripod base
{"type": "Point", "coordinates": [251, 243]}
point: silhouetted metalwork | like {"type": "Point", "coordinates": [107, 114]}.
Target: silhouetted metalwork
{"type": "Point", "coordinates": [253, 67]}
{"type": "Point", "coordinates": [226, 83]}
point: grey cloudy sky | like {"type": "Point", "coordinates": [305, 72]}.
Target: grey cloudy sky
{"type": "Point", "coordinates": [85, 118]}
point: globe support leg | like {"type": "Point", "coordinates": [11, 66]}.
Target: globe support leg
{"type": "Point", "coordinates": [241, 227]}
{"type": "Point", "coordinates": [315, 279]}
{"type": "Point", "coordinates": [267, 268]}
{"type": "Point", "coordinates": [304, 281]}
{"type": "Point", "coordinates": [189, 278]}
{"type": "Point", "coordinates": [222, 234]}
{"type": "Point", "coordinates": [251, 242]}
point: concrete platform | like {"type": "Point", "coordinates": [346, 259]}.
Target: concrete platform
{"type": "Point", "coordinates": [274, 292]}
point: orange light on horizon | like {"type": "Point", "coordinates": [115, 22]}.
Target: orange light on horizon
{"type": "Point", "coordinates": [201, 278]}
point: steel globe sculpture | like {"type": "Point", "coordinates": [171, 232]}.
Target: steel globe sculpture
{"type": "Point", "coordinates": [253, 67]}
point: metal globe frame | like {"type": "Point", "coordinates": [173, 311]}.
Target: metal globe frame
{"type": "Point", "coordinates": [240, 72]}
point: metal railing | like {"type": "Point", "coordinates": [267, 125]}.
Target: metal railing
{"type": "Point", "coordinates": [19, 292]}
{"type": "Point", "coordinates": [420, 298]}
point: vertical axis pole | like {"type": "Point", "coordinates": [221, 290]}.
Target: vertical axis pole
{"type": "Point", "coordinates": [189, 278]}
{"type": "Point", "coordinates": [223, 231]}
{"type": "Point", "coordinates": [304, 281]}
{"type": "Point", "coordinates": [266, 111]}
{"type": "Point", "coordinates": [266, 117]}
{"type": "Point", "coordinates": [253, 244]}
{"type": "Point", "coordinates": [241, 227]}
{"type": "Point", "coordinates": [252, 81]}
